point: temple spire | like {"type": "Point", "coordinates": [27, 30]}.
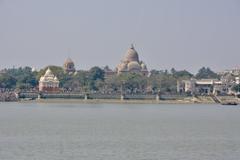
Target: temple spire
{"type": "Point", "coordinates": [132, 46]}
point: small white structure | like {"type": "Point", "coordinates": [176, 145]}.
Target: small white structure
{"type": "Point", "coordinates": [49, 82]}
{"type": "Point", "coordinates": [237, 80]}
{"type": "Point", "coordinates": [203, 86]}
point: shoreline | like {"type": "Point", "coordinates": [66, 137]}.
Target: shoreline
{"type": "Point", "coordinates": [113, 101]}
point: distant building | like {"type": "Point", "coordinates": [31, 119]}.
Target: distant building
{"type": "Point", "coordinates": [69, 66]}
{"type": "Point", "coordinates": [108, 73]}
{"type": "Point", "coordinates": [131, 63]}
{"type": "Point", "coordinates": [3, 71]}
{"type": "Point", "coordinates": [203, 86]}
{"type": "Point", "coordinates": [49, 82]}
{"type": "Point", "coordinates": [34, 69]}
{"type": "Point", "coordinates": [237, 80]}
{"type": "Point", "coordinates": [234, 72]}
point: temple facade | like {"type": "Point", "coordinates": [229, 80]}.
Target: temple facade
{"type": "Point", "coordinates": [49, 82]}
{"type": "Point", "coordinates": [131, 63]}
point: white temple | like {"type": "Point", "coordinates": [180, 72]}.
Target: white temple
{"type": "Point", "coordinates": [49, 82]}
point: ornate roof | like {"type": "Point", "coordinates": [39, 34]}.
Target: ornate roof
{"type": "Point", "coordinates": [48, 73]}
{"type": "Point", "coordinates": [122, 67]}
{"type": "Point", "coordinates": [68, 60]}
{"type": "Point", "coordinates": [49, 77]}
{"type": "Point", "coordinates": [133, 66]}
{"type": "Point", "coordinates": [131, 55]}
{"type": "Point", "coordinates": [131, 63]}
{"type": "Point", "coordinates": [69, 66]}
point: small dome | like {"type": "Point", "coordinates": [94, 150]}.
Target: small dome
{"type": "Point", "coordinates": [131, 55]}
{"type": "Point", "coordinates": [143, 66]}
{"type": "Point", "coordinates": [68, 61]}
{"type": "Point", "coordinates": [133, 66]}
{"type": "Point", "coordinates": [122, 67]}
{"type": "Point", "coordinates": [55, 78]}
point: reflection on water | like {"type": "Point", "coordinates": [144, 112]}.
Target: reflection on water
{"type": "Point", "coordinates": [118, 132]}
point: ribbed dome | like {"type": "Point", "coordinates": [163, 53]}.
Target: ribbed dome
{"type": "Point", "coordinates": [68, 61]}
{"type": "Point", "coordinates": [131, 63]}
{"type": "Point", "coordinates": [132, 66]}
{"type": "Point", "coordinates": [122, 67]}
{"type": "Point", "coordinates": [131, 55]}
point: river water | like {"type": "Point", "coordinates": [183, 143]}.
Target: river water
{"type": "Point", "coordinates": [35, 131]}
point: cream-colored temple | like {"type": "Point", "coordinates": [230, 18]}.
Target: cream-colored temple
{"type": "Point", "coordinates": [49, 82]}
{"type": "Point", "coordinates": [131, 63]}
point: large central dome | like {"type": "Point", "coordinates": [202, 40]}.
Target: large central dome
{"type": "Point", "coordinates": [131, 55]}
{"type": "Point", "coordinates": [131, 63]}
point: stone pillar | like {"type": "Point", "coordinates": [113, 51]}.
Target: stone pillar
{"type": "Point", "coordinates": [39, 96]}
{"type": "Point", "coordinates": [17, 95]}
{"type": "Point", "coordinates": [158, 96]}
{"type": "Point", "coordinates": [122, 97]}
{"type": "Point", "coordinates": [86, 97]}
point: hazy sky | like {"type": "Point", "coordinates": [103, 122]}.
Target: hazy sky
{"type": "Point", "coordinates": [185, 34]}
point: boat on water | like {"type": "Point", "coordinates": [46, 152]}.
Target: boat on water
{"type": "Point", "coordinates": [229, 103]}
{"type": "Point", "coordinates": [238, 94]}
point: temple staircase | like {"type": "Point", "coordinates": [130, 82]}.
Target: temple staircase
{"type": "Point", "coordinates": [215, 98]}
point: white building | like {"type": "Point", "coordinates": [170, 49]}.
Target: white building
{"type": "Point", "coordinates": [237, 80]}
{"type": "Point", "coordinates": [49, 82]}
{"type": "Point", "coordinates": [203, 86]}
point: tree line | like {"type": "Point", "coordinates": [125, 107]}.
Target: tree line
{"type": "Point", "coordinates": [94, 80]}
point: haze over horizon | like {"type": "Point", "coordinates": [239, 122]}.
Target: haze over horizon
{"type": "Point", "coordinates": [186, 34]}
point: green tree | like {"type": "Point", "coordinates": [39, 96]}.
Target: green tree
{"type": "Point", "coordinates": [173, 71]}
{"type": "Point", "coordinates": [133, 82]}
{"type": "Point", "coordinates": [113, 84]}
{"type": "Point", "coordinates": [154, 80]}
{"type": "Point", "coordinates": [25, 78]}
{"type": "Point", "coordinates": [7, 81]}
{"type": "Point", "coordinates": [82, 78]}
{"type": "Point", "coordinates": [95, 74]}
{"type": "Point", "coordinates": [168, 84]}
{"type": "Point", "coordinates": [206, 73]}
{"type": "Point", "coordinates": [182, 74]}
{"type": "Point", "coordinates": [163, 81]}
{"type": "Point", "coordinates": [236, 88]}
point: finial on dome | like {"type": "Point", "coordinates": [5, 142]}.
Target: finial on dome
{"type": "Point", "coordinates": [132, 46]}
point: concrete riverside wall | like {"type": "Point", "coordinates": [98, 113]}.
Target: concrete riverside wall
{"type": "Point", "coordinates": [35, 95]}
